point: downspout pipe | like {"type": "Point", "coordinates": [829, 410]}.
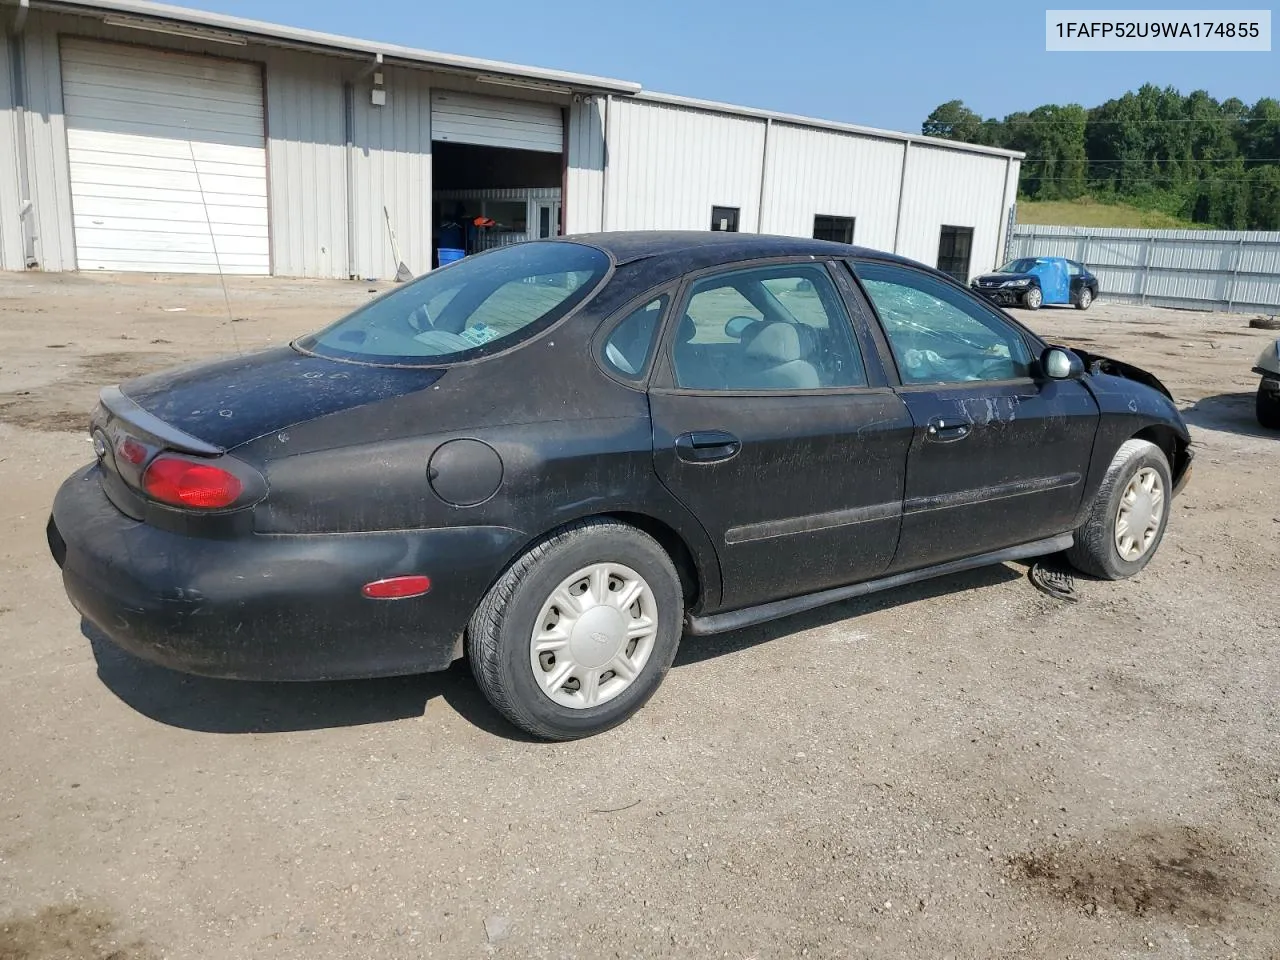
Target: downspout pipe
{"type": "Point", "coordinates": [17, 61]}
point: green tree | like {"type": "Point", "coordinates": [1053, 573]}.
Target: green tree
{"type": "Point", "coordinates": [1264, 198]}
{"type": "Point", "coordinates": [953, 121]}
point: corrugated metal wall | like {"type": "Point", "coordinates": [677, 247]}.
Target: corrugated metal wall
{"type": "Point", "coordinates": [392, 169]}
{"type": "Point", "coordinates": [669, 165]}
{"type": "Point", "coordinates": [665, 166]}
{"type": "Point", "coordinates": [47, 163]}
{"type": "Point", "coordinates": [306, 166]}
{"type": "Point", "coordinates": [584, 194]}
{"type": "Point", "coordinates": [11, 253]}
{"type": "Point", "coordinates": [811, 172]}
{"type": "Point", "coordinates": [956, 189]}
{"type": "Point", "coordinates": [306, 151]}
{"type": "Point", "coordinates": [1208, 269]}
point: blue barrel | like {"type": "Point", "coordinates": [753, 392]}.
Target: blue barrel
{"type": "Point", "coordinates": [450, 255]}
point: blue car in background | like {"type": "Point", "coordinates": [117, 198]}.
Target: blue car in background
{"type": "Point", "coordinates": [1032, 282]}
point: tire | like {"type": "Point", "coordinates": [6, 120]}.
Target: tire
{"type": "Point", "coordinates": [1268, 408]}
{"type": "Point", "coordinates": [1096, 550]}
{"type": "Point", "coordinates": [1033, 298]}
{"type": "Point", "coordinates": [1085, 300]}
{"type": "Point", "coordinates": [527, 687]}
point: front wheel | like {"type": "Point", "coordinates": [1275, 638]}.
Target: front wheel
{"type": "Point", "coordinates": [1033, 299]}
{"type": "Point", "coordinates": [1268, 407]}
{"type": "Point", "coordinates": [1084, 300]}
{"type": "Point", "coordinates": [1129, 516]}
{"type": "Point", "coordinates": [579, 632]}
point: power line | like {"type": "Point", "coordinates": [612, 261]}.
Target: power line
{"type": "Point", "coordinates": [1090, 121]}
{"type": "Point", "coordinates": [1156, 160]}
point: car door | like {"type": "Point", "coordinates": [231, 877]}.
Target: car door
{"type": "Point", "coordinates": [1078, 278]}
{"type": "Point", "coordinates": [999, 453]}
{"type": "Point", "coordinates": [775, 424]}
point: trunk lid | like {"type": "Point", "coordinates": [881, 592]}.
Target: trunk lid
{"type": "Point", "coordinates": [214, 406]}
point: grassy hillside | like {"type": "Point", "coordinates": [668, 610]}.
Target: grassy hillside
{"type": "Point", "coordinates": [1087, 212]}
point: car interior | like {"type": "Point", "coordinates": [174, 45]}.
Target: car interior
{"type": "Point", "coordinates": [766, 329]}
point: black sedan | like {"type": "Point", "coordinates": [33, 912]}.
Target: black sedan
{"type": "Point", "coordinates": [1033, 282]}
{"type": "Point", "coordinates": [557, 458]}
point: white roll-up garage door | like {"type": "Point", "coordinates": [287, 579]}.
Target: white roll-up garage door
{"type": "Point", "coordinates": [495, 122]}
{"type": "Point", "coordinates": [168, 160]}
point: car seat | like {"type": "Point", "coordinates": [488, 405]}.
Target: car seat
{"type": "Point", "coordinates": [775, 359]}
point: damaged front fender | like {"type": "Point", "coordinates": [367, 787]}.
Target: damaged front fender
{"type": "Point", "coordinates": [1118, 368]}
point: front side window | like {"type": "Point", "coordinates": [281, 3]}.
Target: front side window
{"type": "Point", "coordinates": [770, 328]}
{"type": "Point", "coordinates": [469, 309]}
{"type": "Point", "coordinates": [939, 334]}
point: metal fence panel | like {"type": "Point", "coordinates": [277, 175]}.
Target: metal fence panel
{"type": "Point", "coordinates": [1236, 270]}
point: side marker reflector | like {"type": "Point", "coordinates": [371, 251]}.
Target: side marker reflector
{"type": "Point", "coordinates": [397, 588]}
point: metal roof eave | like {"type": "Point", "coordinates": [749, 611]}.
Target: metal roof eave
{"type": "Point", "coordinates": [801, 121]}
{"type": "Point", "coordinates": [272, 34]}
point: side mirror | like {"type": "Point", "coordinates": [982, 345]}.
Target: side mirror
{"type": "Point", "coordinates": [1059, 363]}
{"type": "Point", "coordinates": [737, 326]}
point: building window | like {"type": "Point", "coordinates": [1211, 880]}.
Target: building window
{"type": "Point", "coordinates": [724, 219]}
{"type": "Point", "coordinates": [954, 249]}
{"type": "Point", "coordinates": [835, 229]}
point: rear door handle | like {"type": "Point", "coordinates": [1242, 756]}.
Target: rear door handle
{"type": "Point", "coordinates": [941, 430]}
{"type": "Point", "coordinates": [707, 446]}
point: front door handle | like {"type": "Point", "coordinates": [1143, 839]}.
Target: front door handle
{"type": "Point", "coordinates": [941, 430]}
{"type": "Point", "coordinates": [707, 446]}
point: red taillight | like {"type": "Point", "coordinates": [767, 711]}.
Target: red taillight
{"type": "Point", "coordinates": [397, 588]}
{"type": "Point", "coordinates": [185, 483]}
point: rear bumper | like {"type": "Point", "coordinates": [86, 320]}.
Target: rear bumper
{"type": "Point", "coordinates": [269, 607]}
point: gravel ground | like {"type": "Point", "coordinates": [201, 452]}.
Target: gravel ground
{"type": "Point", "coordinates": [966, 768]}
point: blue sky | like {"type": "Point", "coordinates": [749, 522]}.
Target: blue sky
{"type": "Point", "coordinates": [885, 64]}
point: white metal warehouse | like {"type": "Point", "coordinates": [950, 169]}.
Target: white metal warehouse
{"type": "Point", "coordinates": [152, 138]}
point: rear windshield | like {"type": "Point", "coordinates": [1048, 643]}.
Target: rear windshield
{"type": "Point", "coordinates": [468, 309]}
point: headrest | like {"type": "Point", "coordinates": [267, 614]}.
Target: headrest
{"type": "Point", "coordinates": [687, 330]}
{"type": "Point", "coordinates": [777, 343]}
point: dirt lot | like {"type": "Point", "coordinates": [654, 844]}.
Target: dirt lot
{"type": "Point", "coordinates": [966, 769]}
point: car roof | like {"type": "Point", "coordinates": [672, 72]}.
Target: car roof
{"type": "Point", "coordinates": [630, 245]}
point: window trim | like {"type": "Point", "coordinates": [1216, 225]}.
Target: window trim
{"type": "Point", "coordinates": [614, 319]}
{"type": "Point", "coordinates": [663, 380]}
{"type": "Point", "coordinates": [1035, 346]}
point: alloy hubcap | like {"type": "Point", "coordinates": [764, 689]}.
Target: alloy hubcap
{"type": "Point", "coordinates": [1086, 298]}
{"type": "Point", "coordinates": [1140, 513]}
{"type": "Point", "coordinates": [594, 635]}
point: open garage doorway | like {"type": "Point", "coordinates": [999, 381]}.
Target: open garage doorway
{"type": "Point", "coordinates": [497, 173]}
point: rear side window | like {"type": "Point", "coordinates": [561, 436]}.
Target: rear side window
{"type": "Point", "coordinates": [627, 348]}
{"type": "Point", "coordinates": [469, 309]}
{"type": "Point", "coordinates": [780, 328]}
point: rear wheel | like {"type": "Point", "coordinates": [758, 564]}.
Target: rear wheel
{"type": "Point", "coordinates": [1129, 514]}
{"type": "Point", "coordinates": [1268, 408]}
{"type": "Point", "coordinates": [579, 632]}
{"type": "Point", "coordinates": [1085, 299]}
{"type": "Point", "coordinates": [1033, 298]}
